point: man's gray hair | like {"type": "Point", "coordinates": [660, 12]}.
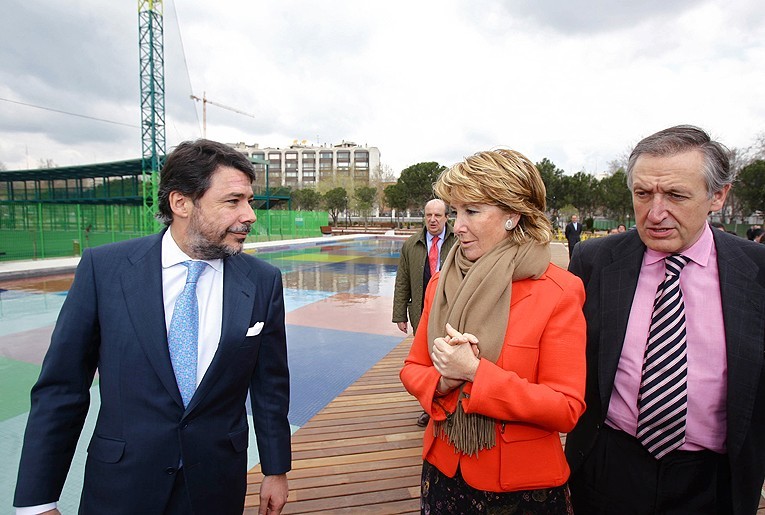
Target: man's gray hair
{"type": "Point", "coordinates": [685, 138]}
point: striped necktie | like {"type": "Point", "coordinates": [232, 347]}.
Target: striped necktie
{"type": "Point", "coordinates": [663, 396]}
{"type": "Point", "coordinates": [182, 337]}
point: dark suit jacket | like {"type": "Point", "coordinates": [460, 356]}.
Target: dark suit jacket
{"type": "Point", "coordinates": [113, 320]}
{"type": "Point", "coordinates": [609, 268]}
{"type": "Point", "coordinates": [573, 235]}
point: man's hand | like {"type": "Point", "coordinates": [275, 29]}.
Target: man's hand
{"type": "Point", "coordinates": [402, 326]}
{"type": "Point", "coordinates": [273, 494]}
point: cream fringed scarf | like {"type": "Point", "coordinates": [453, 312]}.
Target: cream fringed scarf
{"type": "Point", "coordinates": [474, 297]}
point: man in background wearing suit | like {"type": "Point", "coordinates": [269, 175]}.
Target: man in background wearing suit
{"type": "Point", "coordinates": [573, 233]}
{"type": "Point", "coordinates": [180, 325]}
{"type": "Point", "coordinates": [675, 419]}
{"type": "Point", "coordinates": [421, 256]}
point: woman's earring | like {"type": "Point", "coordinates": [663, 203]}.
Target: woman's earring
{"type": "Point", "coordinates": [509, 225]}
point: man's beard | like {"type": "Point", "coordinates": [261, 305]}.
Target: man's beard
{"type": "Point", "coordinates": [204, 244]}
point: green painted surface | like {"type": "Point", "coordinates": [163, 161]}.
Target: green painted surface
{"type": "Point", "coordinates": [16, 380]}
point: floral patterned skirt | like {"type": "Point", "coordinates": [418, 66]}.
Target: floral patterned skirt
{"type": "Point", "coordinates": [442, 494]}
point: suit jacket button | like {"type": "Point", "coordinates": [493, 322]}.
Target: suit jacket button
{"type": "Point", "coordinates": [185, 425]}
{"type": "Point", "coordinates": [170, 471]}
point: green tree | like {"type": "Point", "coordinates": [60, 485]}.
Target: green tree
{"type": "Point", "coordinates": [395, 198]}
{"type": "Point", "coordinates": [336, 200]}
{"type": "Point", "coordinates": [615, 196]}
{"type": "Point", "coordinates": [581, 191]}
{"type": "Point", "coordinates": [365, 199]}
{"type": "Point", "coordinates": [306, 199]}
{"type": "Point", "coordinates": [750, 187]}
{"type": "Point", "coordinates": [417, 181]}
{"type": "Point", "coordinates": [553, 177]}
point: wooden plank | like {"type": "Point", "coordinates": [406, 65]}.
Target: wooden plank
{"type": "Point", "coordinates": [362, 453]}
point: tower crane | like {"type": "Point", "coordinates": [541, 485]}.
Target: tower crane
{"type": "Point", "coordinates": [205, 101]}
{"type": "Point", "coordinates": [152, 71]}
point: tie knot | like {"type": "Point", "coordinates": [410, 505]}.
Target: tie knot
{"type": "Point", "coordinates": [195, 270]}
{"type": "Point", "coordinates": [674, 264]}
{"type": "Point", "coordinates": [435, 240]}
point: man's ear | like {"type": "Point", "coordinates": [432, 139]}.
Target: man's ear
{"type": "Point", "coordinates": [718, 198]}
{"type": "Point", "coordinates": [180, 204]}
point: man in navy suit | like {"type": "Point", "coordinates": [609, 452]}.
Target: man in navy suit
{"type": "Point", "coordinates": [692, 441]}
{"type": "Point", "coordinates": [154, 448]}
{"type": "Point", "coordinates": [573, 234]}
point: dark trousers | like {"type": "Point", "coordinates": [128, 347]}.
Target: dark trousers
{"type": "Point", "coordinates": [620, 477]}
{"type": "Point", "coordinates": [179, 503]}
{"type": "Point", "coordinates": [571, 245]}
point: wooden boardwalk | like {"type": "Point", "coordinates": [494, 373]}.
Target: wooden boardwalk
{"type": "Point", "coordinates": [361, 453]}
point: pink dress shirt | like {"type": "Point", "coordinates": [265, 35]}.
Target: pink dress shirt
{"type": "Point", "coordinates": [707, 361]}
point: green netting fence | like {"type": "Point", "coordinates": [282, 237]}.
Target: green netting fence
{"type": "Point", "coordinates": [35, 231]}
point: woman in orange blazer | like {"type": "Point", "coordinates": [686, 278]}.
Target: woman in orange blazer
{"type": "Point", "coordinates": [498, 359]}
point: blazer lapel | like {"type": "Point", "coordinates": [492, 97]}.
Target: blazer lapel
{"type": "Point", "coordinates": [618, 284]}
{"type": "Point", "coordinates": [142, 287]}
{"type": "Point", "coordinates": [238, 299]}
{"type": "Point", "coordinates": [743, 303]}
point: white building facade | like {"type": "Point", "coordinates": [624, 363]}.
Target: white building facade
{"type": "Point", "coordinates": [302, 166]}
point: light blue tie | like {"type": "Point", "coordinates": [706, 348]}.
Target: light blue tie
{"type": "Point", "coordinates": [184, 333]}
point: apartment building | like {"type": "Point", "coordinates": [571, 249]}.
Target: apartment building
{"type": "Point", "coordinates": [302, 165]}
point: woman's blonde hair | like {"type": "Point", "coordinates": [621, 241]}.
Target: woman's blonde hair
{"type": "Point", "coordinates": [504, 178]}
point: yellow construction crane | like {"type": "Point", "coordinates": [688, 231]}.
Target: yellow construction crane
{"type": "Point", "coordinates": [204, 110]}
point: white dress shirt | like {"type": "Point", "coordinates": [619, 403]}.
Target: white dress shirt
{"type": "Point", "coordinates": [209, 297]}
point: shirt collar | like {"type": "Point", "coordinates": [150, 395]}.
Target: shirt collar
{"type": "Point", "coordinates": [173, 255]}
{"type": "Point", "coordinates": [429, 237]}
{"type": "Point", "coordinates": [699, 252]}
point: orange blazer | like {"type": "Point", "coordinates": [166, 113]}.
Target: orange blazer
{"type": "Point", "coordinates": [535, 390]}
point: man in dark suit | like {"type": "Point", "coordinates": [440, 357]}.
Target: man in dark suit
{"type": "Point", "coordinates": [573, 233]}
{"type": "Point", "coordinates": [675, 419]}
{"type": "Point", "coordinates": [176, 353]}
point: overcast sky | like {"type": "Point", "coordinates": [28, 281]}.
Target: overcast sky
{"type": "Point", "coordinates": [576, 81]}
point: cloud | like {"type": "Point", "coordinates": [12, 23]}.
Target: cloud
{"type": "Point", "coordinates": [576, 82]}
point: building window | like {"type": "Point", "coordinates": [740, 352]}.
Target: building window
{"type": "Point", "coordinates": [275, 162]}
{"type": "Point", "coordinates": [361, 159]}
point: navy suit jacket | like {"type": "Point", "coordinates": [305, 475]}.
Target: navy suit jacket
{"type": "Point", "coordinates": [609, 268]}
{"type": "Point", "coordinates": [573, 235]}
{"type": "Point", "coordinates": [113, 321]}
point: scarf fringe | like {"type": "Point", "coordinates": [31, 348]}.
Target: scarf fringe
{"type": "Point", "coordinates": [467, 432]}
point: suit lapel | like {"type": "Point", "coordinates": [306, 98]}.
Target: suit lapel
{"type": "Point", "coordinates": [238, 299]}
{"type": "Point", "coordinates": [142, 287]}
{"type": "Point", "coordinates": [743, 303]}
{"type": "Point", "coordinates": [618, 284]}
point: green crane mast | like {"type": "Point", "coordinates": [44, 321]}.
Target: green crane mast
{"type": "Point", "coordinates": [152, 64]}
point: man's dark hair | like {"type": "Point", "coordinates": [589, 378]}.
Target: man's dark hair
{"type": "Point", "coordinates": [190, 166]}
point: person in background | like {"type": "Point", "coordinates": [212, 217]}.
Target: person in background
{"type": "Point", "coordinates": [421, 257]}
{"type": "Point", "coordinates": [573, 233]}
{"type": "Point", "coordinates": [675, 419]}
{"type": "Point", "coordinates": [621, 228]}
{"type": "Point", "coordinates": [498, 361]}
{"type": "Point", "coordinates": [752, 232]}
{"type": "Point", "coordinates": [181, 326]}
{"type": "Point", "coordinates": [717, 225]}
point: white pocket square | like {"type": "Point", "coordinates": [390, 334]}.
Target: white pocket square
{"type": "Point", "coordinates": [255, 330]}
